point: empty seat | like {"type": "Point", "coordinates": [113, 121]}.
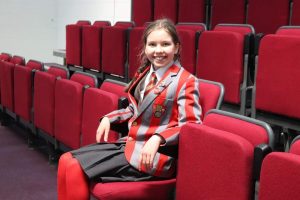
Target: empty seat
{"type": "Point", "coordinates": [275, 94]}
{"type": "Point", "coordinates": [223, 56]}
{"type": "Point", "coordinates": [165, 8]}
{"type": "Point", "coordinates": [74, 42]}
{"type": "Point", "coordinates": [295, 17]}
{"type": "Point", "coordinates": [211, 97]}
{"type": "Point", "coordinates": [266, 16]}
{"type": "Point", "coordinates": [23, 89]}
{"type": "Point", "coordinates": [44, 96]}
{"type": "Point", "coordinates": [189, 34]}
{"type": "Point", "coordinates": [232, 12]}
{"type": "Point", "coordinates": [5, 56]}
{"type": "Point", "coordinates": [114, 50]}
{"type": "Point", "coordinates": [92, 45]}
{"type": "Point", "coordinates": [193, 11]}
{"type": "Point", "coordinates": [216, 158]}
{"type": "Point", "coordinates": [141, 11]}
{"type": "Point", "coordinates": [289, 30]}
{"type": "Point", "coordinates": [96, 103]}
{"type": "Point", "coordinates": [7, 82]}
{"type": "Point", "coordinates": [280, 174]}
{"type": "Point", "coordinates": [68, 109]}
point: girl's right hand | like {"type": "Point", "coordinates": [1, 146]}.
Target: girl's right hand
{"type": "Point", "coordinates": [103, 128]}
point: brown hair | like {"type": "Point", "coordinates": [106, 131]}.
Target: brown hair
{"type": "Point", "coordinates": [170, 28]}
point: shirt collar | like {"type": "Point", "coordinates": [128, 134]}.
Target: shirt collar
{"type": "Point", "coordinates": [160, 71]}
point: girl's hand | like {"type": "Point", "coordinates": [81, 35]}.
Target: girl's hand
{"type": "Point", "coordinates": [103, 128]}
{"type": "Point", "coordinates": [148, 152]}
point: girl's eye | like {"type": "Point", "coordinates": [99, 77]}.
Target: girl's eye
{"type": "Point", "coordinates": [166, 44]}
{"type": "Point", "coordinates": [151, 44]}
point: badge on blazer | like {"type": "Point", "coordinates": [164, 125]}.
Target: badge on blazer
{"type": "Point", "coordinates": [159, 110]}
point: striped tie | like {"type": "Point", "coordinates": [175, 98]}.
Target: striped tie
{"type": "Point", "coordinates": [151, 84]}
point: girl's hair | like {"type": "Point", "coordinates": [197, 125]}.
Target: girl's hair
{"type": "Point", "coordinates": [164, 24]}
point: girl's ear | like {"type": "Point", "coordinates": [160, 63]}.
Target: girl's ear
{"type": "Point", "coordinates": [177, 46]}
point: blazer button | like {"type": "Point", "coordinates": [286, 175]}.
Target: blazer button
{"type": "Point", "coordinates": [129, 139]}
{"type": "Point", "coordinates": [134, 124]}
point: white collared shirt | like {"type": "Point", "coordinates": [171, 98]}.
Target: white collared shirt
{"type": "Point", "coordinates": [160, 72]}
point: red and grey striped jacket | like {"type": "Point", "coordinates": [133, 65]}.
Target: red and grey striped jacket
{"type": "Point", "coordinates": [173, 102]}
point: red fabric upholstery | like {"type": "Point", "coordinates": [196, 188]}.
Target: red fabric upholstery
{"type": "Point", "coordinates": [244, 29]}
{"type": "Point", "coordinates": [268, 15]}
{"type": "Point", "coordinates": [68, 112]}
{"type": "Point", "coordinates": [85, 79]}
{"type": "Point", "coordinates": [295, 18]}
{"type": "Point", "coordinates": [18, 60]}
{"type": "Point", "coordinates": [73, 42]}
{"type": "Point", "coordinates": [191, 11]}
{"type": "Point", "coordinates": [125, 24]}
{"type": "Point", "coordinates": [5, 57]}
{"type": "Point", "coordinates": [135, 46]}
{"type": "Point", "coordinates": [114, 50]}
{"type": "Point", "coordinates": [295, 147]}
{"type": "Point", "coordinates": [114, 87]}
{"type": "Point", "coordinates": [207, 168]}
{"type": "Point", "coordinates": [96, 103]}
{"type": "Point", "coordinates": [255, 134]}
{"type": "Point", "coordinates": [229, 11]}
{"type": "Point", "coordinates": [196, 27]}
{"type": "Point", "coordinates": [210, 95]}
{"type": "Point", "coordinates": [277, 75]}
{"type": "Point", "coordinates": [142, 11]}
{"type": "Point", "coordinates": [165, 8]}
{"type": "Point", "coordinates": [160, 190]}
{"type": "Point", "coordinates": [33, 64]}
{"type": "Point", "coordinates": [280, 177]}
{"type": "Point", "coordinates": [44, 85]}
{"type": "Point", "coordinates": [7, 85]}
{"type": "Point", "coordinates": [92, 45]}
{"type": "Point", "coordinates": [58, 71]}
{"type": "Point", "coordinates": [220, 58]}
{"type": "Point", "coordinates": [289, 30]}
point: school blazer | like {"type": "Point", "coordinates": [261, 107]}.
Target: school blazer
{"type": "Point", "coordinates": [173, 102]}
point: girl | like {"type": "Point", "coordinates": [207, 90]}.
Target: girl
{"type": "Point", "coordinates": [163, 96]}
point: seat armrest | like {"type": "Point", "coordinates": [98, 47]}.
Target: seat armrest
{"type": "Point", "coordinates": [260, 152]}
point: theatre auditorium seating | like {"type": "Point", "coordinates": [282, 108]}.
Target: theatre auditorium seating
{"type": "Point", "coordinates": [5, 56]}
{"type": "Point", "coordinates": [96, 103]}
{"type": "Point", "coordinates": [195, 11]}
{"type": "Point", "coordinates": [216, 158]}
{"type": "Point", "coordinates": [114, 50]}
{"type": "Point", "coordinates": [288, 30]}
{"type": "Point", "coordinates": [212, 95]}
{"type": "Point", "coordinates": [229, 11]}
{"type": "Point", "coordinates": [223, 56]}
{"type": "Point", "coordinates": [295, 15]}
{"type": "Point", "coordinates": [275, 97]}
{"type": "Point", "coordinates": [68, 109]}
{"type": "Point", "coordinates": [280, 174]}
{"type": "Point", "coordinates": [142, 11]}
{"type": "Point", "coordinates": [74, 43]}
{"type": "Point", "coordinates": [267, 16]}
{"type": "Point", "coordinates": [23, 91]}
{"type": "Point", "coordinates": [165, 8]}
{"type": "Point", "coordinates": [92, 45]}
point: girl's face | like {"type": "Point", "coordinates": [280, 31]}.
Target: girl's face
{"type": "Point", "coordinates": [160, 48]}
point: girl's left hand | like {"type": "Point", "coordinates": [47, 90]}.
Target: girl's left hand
{"type": "Point", "coordinates": [148, 152]}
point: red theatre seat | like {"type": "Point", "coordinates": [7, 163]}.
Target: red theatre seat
{"type": "Point", "coordinates": [142, 11]}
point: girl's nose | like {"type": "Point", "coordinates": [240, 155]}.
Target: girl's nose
{"type": "Point", "coordinates": [158, 49]}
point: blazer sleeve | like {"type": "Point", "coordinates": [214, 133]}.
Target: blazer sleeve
{"type": "Point", "coordinates": [189, 110]}
{"type": "Point", "coordinates": [120, 116]}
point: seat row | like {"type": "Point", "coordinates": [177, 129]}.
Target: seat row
{"type": "Point", "coordinates": [264, 15]}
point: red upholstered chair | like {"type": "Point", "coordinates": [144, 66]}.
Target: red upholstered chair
{"type": "Point", "coordinates": [216, 158]}
{"type": "Point", "coordinates": [7, 82]}
{"type": "Point", "coordinates": [223, 56]}
{"type": "Point", "coordinates": [23, 90]}
{"type": "Point", "coordinates": [230, 12]}
{"type": "Point", "coordinates": [114, 50]}
{"type": "Point", "coordinates": [193, 11]}
{"type": "Point", "coordinates": [165, 8]}
{"type": "Point", "coordinates": [189, 34]}
{"type": "Point", "coordinates": [92, 45]}
{"type": "Point", "coordinates": [74, 43]}
{"type": "Point", "coordinates": [280, 174]}
{"type": "Point", "coordinates": [275, 96]}
{"type": "Point", "coordinates": [43, 98]}
{"type": "Point", "coordinates": [295, 16]}
{"type": "Point", "coordinates": [266, 16]}
{"type": "Point", "coordinates": [135, 46]}
{"type": "Point", "coordinates": [289, 30]}
{"type": "Point", "coordinates": [5, 56]}
{"type": "Point", "coordinates": [68, 109]}
{"type": "Point", "coordinates": [211, 97]}
{"type": "Point", "coordinates": [141, 11]}
{"type": "Point", "coordinates": [96, 103]}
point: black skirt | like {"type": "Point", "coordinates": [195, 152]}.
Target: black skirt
{"type": "Point", "coordinates": [106, 162]}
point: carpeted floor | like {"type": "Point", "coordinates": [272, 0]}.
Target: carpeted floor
{"type": "Point", "coordinates": [25, 173]}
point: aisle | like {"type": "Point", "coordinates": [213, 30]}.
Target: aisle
{"type": "Point", "coordinates": [24, 172]}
